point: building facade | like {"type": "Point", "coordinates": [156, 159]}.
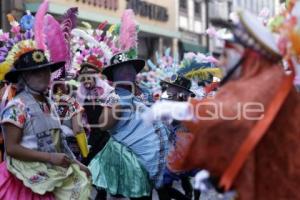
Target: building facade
{"type": "Point", "coordinates": [192, 23]}
{"type": "Point", "coordinates": [217, 9]}
{"type": "Point", "coordinates": [157, 19]}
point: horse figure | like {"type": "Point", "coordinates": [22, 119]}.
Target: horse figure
{"type": "Point", "coordinates": [272, 169]}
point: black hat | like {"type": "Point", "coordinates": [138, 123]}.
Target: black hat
{"type": "Point", "coordinates": [119, 59]}
{"type": "Point", "coordinates": [180, 82]}
{"type": "Point", "coordinates": [29, 61]}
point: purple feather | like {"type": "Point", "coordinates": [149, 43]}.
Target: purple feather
{"type": "Point", "coordinates": [8, 46]}
{"type": "Point", "coordinates": [2, 58]}
{"type": "Point", "coordinates": [18, 38]}
{"type": "Point", "coordinates": [69, 21]}
{"type": "Point", "coordinates": [28, 35]}
{"type": "Point", "coordinates": [11, 42]}
{"type": "Point", "coordinates": [4, 49]}
{"type": "Point", "coordinates": [71, 15]}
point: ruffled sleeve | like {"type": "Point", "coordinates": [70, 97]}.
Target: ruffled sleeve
{"type": "Point", "coordinates": [74, 107]}
{"type": "Point", "coordinates": [68, 107]}
{"type": "Point", "coordinates": [14, 114]}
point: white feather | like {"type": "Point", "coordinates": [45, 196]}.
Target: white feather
{"type": "Point", "coordinates": [89, 39]}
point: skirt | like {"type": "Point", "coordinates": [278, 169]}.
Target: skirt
{"type": "Point", "coordinates": [64, 183]}
{"type": "Point", "coordinates": [116, 169]}
{"type": "Point", "coordinates": [13, 188]}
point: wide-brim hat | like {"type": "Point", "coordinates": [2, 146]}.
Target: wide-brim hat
{"type": "Point", "coordinates": [179, 82]}
{"type": "Point", "coordinates": [92, 65]}
{"type": "Point", "coordinates": [121, 59]}
{"type": "Point", "coordinates": [251, 33]}
{"type": "Point", "coordinates": [32, 60]}
{"type": "Point", "coordinates": [88, 68]}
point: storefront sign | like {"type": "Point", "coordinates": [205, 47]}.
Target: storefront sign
{"type": "Point", "coordinates": [146, 9]}
{"type": "Point", "coordinates": [107, 4]}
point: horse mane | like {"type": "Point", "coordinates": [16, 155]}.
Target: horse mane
{"type": "Point", "coordinates": [212, 144]}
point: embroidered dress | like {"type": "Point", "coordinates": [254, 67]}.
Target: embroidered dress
{"type": "Point", "coordinates": [67, 107]}
{"type": "Point", "coordinates": [148, 141]}
{"type": "Point", "coordinates": [41, 131]}
{"type": "Point", "coordinates": [116, 169]}
{"type": "Point", "coordinates": [13, 188]}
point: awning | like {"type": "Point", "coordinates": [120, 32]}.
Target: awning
{"type": "Point", "coordinates": [189, 47]}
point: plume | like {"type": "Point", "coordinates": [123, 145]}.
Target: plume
{"type": "Point", "coordinates": [92, 42]}
{"type": "Point", "coordinates": [128, 31]}
{"type": "Point", "coordinates": [69, 21]}
{"type": "Point", "coordinates": [57, 45]}
{"type": "Point", "coordinates": [39, 25]}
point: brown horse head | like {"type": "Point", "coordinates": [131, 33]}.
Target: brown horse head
{"type": "Point", "coordinates": [222, 123]}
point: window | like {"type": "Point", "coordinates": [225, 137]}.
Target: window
{"type": "Point", "coordinates": [230, 9]}
{"type": "Point", "coordinates": [183, 4]}
{"type": "Point", "coordinates": [197, 9]}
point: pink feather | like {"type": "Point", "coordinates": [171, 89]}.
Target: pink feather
{"type": "Point", "coordinates": [57, 45]}
{"type": "Point", "coordinates": [39, 25]}
{"type": "Point", "coordinates": [128, 31]}
{"type": "Point", "coordinates": [68, 23]}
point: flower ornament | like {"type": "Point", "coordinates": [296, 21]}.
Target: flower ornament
{"type": "Point", "coordinates": [4, 37]}
{"type": "Point", "coordinates": [93, 60]}
{"type": "Point", "coordinates": [122, 58]}
{"type": "Point", "coordinates": [27, 21]}
{"type": "Point", "coordinates": [38, 57]}
{"type": "Point", "coordinates": [15, 26]}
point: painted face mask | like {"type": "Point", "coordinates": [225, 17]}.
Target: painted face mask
{"type": "Point", "coordinates": [232, 55]}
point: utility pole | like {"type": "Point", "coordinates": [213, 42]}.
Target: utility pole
{"type": "Point", "coordinates": [207, 21]}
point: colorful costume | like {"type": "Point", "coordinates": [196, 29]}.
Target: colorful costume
{"type": "Point", "coordinates": [38, 121]}
{"type": "Point", "coordinates": [114, 167]}
{"type": "Point", "coordinates": [13, 188]}
{"type": "Point", "coordinates": [270, 171]}
{"type": "Point", "coordinates": [42, 132]}
{"type": "Point", "coordinates": [148, 141]}
{"type": "Point", "coordinates": [67, 108]}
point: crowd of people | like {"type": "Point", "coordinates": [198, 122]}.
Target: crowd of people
{"type": "Point", "coordinates": [81, 112]}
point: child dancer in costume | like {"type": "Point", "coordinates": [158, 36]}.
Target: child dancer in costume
{"type": "Point", "coordinates": [70, 113]}
{"type": "Point", "coordinates": [69, 110]}
{"type": "Point", "coordinates": [148, 141]}
{"type": "Point", "coordinates": [89, 92]}
{"type": "Point", "coordinates": [114, 167]}
{"type": "Point", "coordinates": [37, 153]}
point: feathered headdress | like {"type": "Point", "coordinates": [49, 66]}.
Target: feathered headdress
{"type": "Point", "coordinates": [128, 34]}
{"type": "Point", "coordinates": [199, 67]}
{"type": "Point", "coordinates": [93, 46]}
{"type": "Point", "coordinates": [58, 36]}
{"type": "Point", "coordinates": [18, 41]}
{"type": "Point", "coordinates": [287, 26]}
{"type": "Point", "coordinates": [165, 67]}
{"type": "Point", "coordinates": [39, 32]}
